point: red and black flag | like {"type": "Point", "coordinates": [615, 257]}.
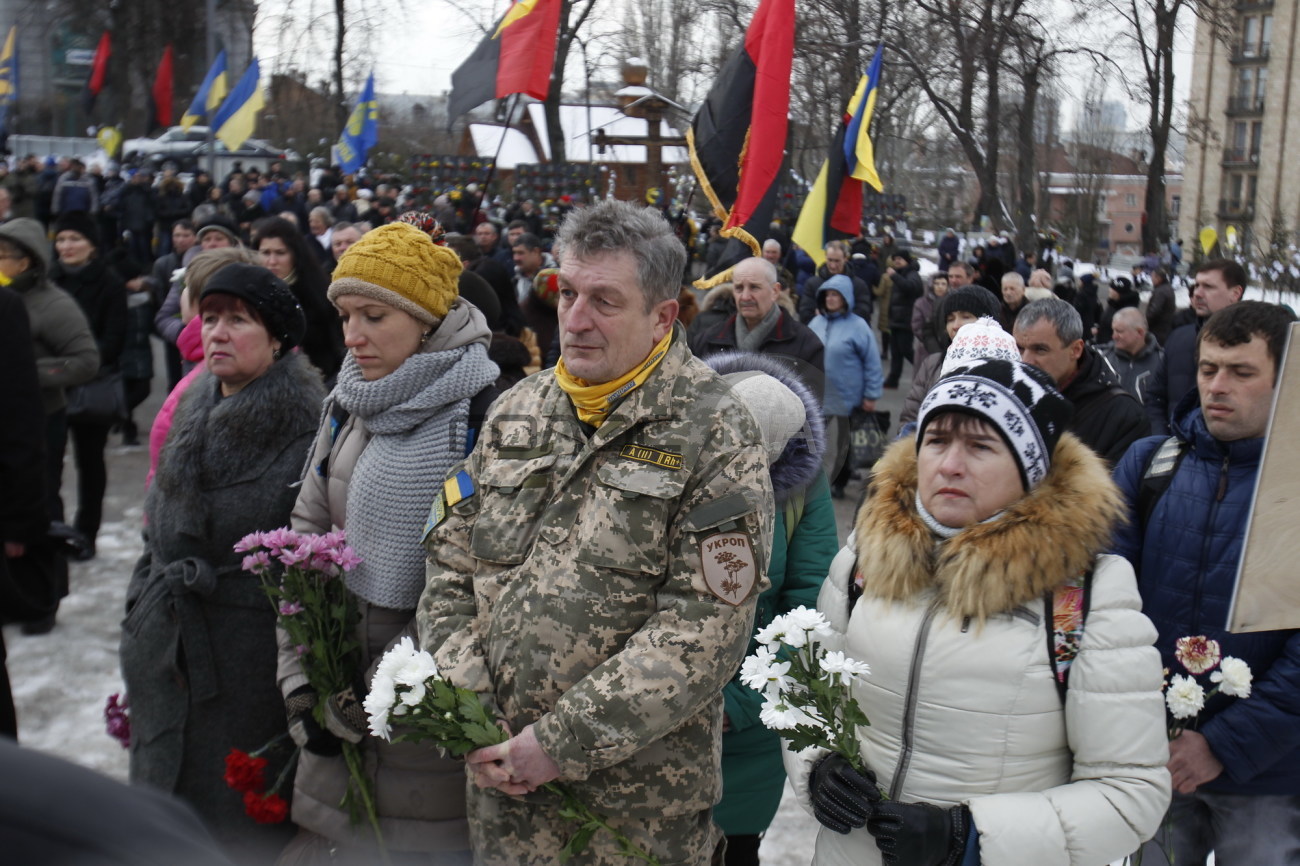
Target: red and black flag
{"type": "Point", "coordinates": [737, 140]}
{"type": "Point", "coordinates": [98, 73]}
{"type": "Point", "coordinates": [162, 92]}
{"type": "Point", "coordinates": [516, 57]}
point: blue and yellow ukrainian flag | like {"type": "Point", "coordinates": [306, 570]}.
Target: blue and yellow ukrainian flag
{"type": "Point", "coordinates": [362, 131]}
{"type": "Point", "coordinates": [833, 207]}
{"type": "Point", "coordinates": [859, 153]}
{"type": "Point", "coordinates": [457, 487]}
{"type": "Point", "coordinates": [9, 68]}
{"type": "Point", "coordinates": [211, 93]}
{"type": "Point", "coordinates": [234, 121]}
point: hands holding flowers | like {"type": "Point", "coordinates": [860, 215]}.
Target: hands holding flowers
{"type": "Point", "coordinates": [1191, 762]}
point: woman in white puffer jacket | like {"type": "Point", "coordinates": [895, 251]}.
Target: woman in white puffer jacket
{"type": "Point", "coordinates": [1014, 694]}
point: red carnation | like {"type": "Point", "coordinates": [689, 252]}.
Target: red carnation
{"type": "Point", "coordinates": [265, 809]}
{"type": "Point", "coordinates": [244, 772]}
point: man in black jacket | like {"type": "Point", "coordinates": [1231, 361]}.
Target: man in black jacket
{"type": "Point", "coordinates": [1108, 419]}
{"type": "Point", "coordinates": [1218, 283]}
{"type": "Point", "coordinates": [906, 290]}
{"type": "Point", "coordinates": [761, 325]}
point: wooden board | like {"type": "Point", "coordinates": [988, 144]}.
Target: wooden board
{"type": "Point", "coordinates": [1267, 594]}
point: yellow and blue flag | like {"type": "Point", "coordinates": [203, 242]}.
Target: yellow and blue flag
{"type": "Point", "coordinates": [833, 207]}
{"type": "Point", "coordinates": [859, 153]}
{"type": "Point", "coordinates": [234, 121]}
{"type": "Point", "coordinates": [8, 78]}
{"type": "Point", "coordinates": [457, 487]}
{"type": "Point", "coordinates": [212, 92]}
{"type": "Point", "coordinates": [362, 131]}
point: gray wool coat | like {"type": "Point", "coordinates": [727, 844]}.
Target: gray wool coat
{"type": "Point", "coordinates": [198, 643]}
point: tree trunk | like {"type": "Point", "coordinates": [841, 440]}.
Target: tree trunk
{"type": "Point", "coordinates": [1026, 167]}
{"type": "Point", "coordinates": [340, 98]}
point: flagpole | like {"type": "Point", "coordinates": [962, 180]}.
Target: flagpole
{"type": "Point", "coordinates": [487, 181]}
{"type": "Point", "coordinates": [210, 16]}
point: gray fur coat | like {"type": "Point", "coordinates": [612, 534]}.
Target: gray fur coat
{"type": "Point", "coordinates": [198, 642]}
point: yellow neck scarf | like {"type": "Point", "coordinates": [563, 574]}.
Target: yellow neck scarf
{"type": "Point", "coordinates": [595, 402]}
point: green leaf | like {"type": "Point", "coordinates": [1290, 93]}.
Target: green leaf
{"type": "Point", "coordinates": [578, 841]}
{"type": "Point", "coordinates": [483, 735]}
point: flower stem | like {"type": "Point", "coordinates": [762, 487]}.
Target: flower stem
{"type": "Point", "coordinates": [587, 816]}
{"type": "Point", "coordinates": [361, 784]}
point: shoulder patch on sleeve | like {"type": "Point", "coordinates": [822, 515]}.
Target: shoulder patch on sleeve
{"type": "Point", "coordinates": [730, 570]}
{"type": "Point", "coordinates": [437, 514]}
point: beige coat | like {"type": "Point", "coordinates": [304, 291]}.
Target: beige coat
{"type": "Point", "coordinates": [961, 697]}
{"type": "Point", "coordinates": [421, 796]}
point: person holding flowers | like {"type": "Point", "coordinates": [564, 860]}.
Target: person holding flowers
{"type": "Point", "coordinates": [1014, 694]}
{"type": "Point", "coordinates": [594, 566]}
{"type": "Point", "coordinates": [410, 398]}
{"type": "Point", "coordinates": [1236, 766]}
{"type": "Point", "coordinates": [804, 542]}
{"type": "Point", "coordinates": [198, 649]}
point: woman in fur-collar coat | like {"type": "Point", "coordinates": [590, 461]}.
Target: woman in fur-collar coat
{"type": "Point", "coordinates": [1014, 694]}
{"type": "Point", "coordinates": [198, 643]}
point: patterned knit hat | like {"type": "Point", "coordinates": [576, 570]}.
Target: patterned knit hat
{"type": "Point", "coordinates": [977, 341]}
{"type": "Point", "coordinates": [1019, 401]}
{"type": "Point", "coordinates": [400, 265]}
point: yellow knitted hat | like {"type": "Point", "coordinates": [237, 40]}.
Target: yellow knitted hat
{"type": "Point", "coordinates": [400, 265]}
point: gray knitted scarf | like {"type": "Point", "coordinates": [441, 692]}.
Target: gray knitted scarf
{"type": "Point", "coordinates": [749, 340]}
{"type": "Point", "coordinates": [417, 417]}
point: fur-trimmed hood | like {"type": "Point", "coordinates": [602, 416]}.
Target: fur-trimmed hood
{"type": "Point", "coordinates": [802, 457]}
{"type": "Point", "coordinates": [1050, 535]}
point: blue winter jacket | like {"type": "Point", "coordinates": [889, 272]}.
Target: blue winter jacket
{"type": "Point", "coordinates": [1186, 563]}
{"type": "Point", "coordinates": [852, 359]}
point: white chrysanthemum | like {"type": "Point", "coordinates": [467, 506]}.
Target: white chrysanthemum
{"type": "Point", "coordinates": [779, 716]}
{"type": "Point", "coordinates": [838, 663]}
{"type": "Point", "coordinates": [1185, 697]}
{"type": "Point", "coordinates": [378, 703]}
{"type": "Point", "coordinates": [808, 620]}
{"type": "Point", "coordinates": [773, 633]}
{"type": "Point", "coordinates": [764, 669]}
{"type": "Point", "coordinates": [416, 669]}
{"type": "Point", "coordinates": [1233, 677]}
{"type": "Point", "coordinates": [413, 694]}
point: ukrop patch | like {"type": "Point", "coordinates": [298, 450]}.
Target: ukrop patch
{"type": "Point", "coordinates": [727, 559]}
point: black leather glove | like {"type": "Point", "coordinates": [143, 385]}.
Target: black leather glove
{"type": "Point", "coordinates": [842, 798]}
{"type": "Point", "coordinates": [298, 706]}
{"type": "Point", "coordinates": [920, 834]}
{"type": "Point", "coordinates": [345, 715]}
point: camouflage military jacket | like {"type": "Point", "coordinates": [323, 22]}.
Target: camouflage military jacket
{"type": "Point", "coordinates": [602, 585]}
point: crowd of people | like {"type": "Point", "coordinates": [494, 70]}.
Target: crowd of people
{"type": "Point", "coordinates": [1065, 499]}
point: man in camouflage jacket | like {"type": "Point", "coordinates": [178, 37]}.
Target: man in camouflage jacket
{"type": "Point", "coordinates": [595, 579]}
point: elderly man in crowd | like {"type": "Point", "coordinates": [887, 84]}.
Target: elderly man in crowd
{"type": "Point", "coordinates": [761, 325]}
{"type": "Point", "coordinates": [594, 564]}
{"type": "Point", "coordinates": [1133, 352]}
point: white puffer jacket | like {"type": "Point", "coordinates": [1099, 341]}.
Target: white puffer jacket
{"type": "Point", "coordinates": [962, 700]}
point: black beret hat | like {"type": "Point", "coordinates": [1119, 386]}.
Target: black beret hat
{"type": "Point", "coordinates": [266, 293]}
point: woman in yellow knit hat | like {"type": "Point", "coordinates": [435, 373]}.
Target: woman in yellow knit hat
{"type": "Point", "coordinates": [411, 394]}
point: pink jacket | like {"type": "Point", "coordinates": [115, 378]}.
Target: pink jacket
{"type": "Point", "coordinates": [190, 343]}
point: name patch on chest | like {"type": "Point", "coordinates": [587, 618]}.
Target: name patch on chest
{"type": "Point", "coordinates": [727, 560]}
{"type": "Point", "coordinates": [653, 456]}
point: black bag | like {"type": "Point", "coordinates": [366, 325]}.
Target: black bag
{"type": "Point", "coordinates": [867, 438]}
{"type": "Point", "coordinates": [100, 401]}
{"type": "Point", "coordinates": [32, 584]}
